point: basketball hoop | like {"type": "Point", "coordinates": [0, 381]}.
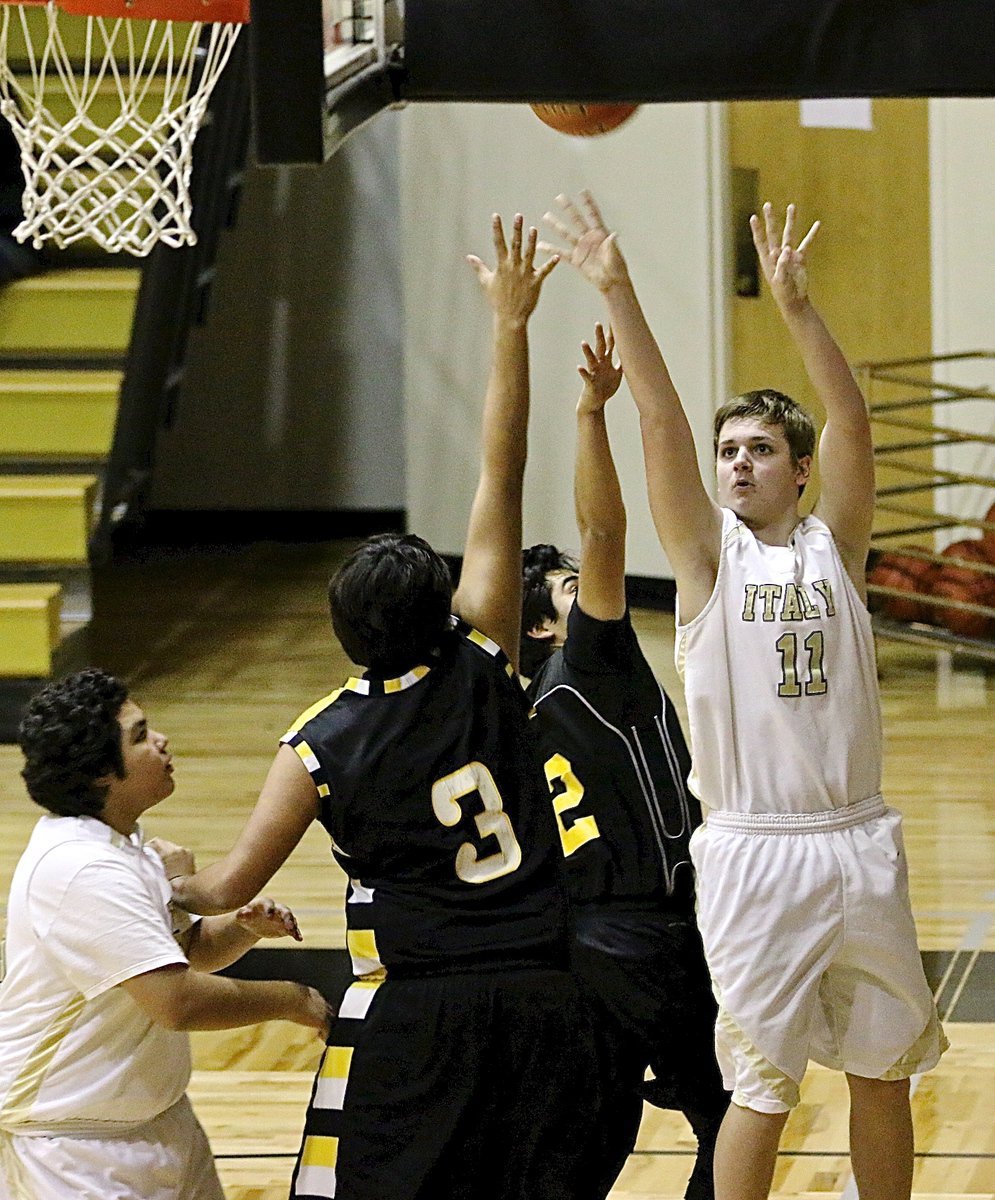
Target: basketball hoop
{"type": "Point", "coordinates": [105, 98]}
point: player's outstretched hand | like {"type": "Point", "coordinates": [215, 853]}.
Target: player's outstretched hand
{"type": "Point", "coordinates": [513, 286]}
{"type": "Point", "coordinates": [601, 377]}
{"type": "Point", "coordinates": [784, 265]}
{"type": "Point", "coordinates": [177, 860]}
{"type": "Point", "coordinates": [592, 249]}
{"type": "Point", "coordinates": [315, 1012]}
{"type": "Point", "coordinates": [267, 919]}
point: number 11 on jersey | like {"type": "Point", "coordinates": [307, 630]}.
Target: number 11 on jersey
{"type": "Point", "coordinates": [791, 683]}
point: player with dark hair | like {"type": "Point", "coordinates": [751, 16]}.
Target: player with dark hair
{"type": "Point", "coordinates": [802, 886]}
{"type": "Point", "coordinates": [616, 763]}
{"type": "Point", "coordinates": [460, 1065]}
{"type": "Point", "coordinates": [547, 572]}
{"type": "Point", "coordinates": [391, 602]}
{"type": "Point", "coordinates": [70, 738]}
{"type": "Point", "coordinates": [99, 990]}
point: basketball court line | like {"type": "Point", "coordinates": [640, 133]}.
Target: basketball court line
{"type": "Point", "coordinates": [332, 964]}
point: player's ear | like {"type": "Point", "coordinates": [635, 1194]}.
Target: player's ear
{"type": "Point", "coordinates": [543, 632]}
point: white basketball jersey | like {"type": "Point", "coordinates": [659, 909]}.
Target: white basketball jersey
{"type": "Point", "coordinates": [780, 678]}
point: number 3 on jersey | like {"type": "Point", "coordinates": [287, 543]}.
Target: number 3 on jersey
{"type": "Point", "coordinates": [492, 822]}
{"type": "Point", "coordinates": [584, 829]}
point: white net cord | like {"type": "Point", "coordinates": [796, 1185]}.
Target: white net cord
{"type": "Point", "coordinates": [107, 140]}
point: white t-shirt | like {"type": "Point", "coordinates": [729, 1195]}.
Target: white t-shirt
{"type": "Point", "coordinates": [88, 909]}
{"type": "Point", "coordinates": [780, 679]}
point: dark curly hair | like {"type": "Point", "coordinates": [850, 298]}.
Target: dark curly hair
{"type": "Point", "coordinates": [391, 602]}
{"type": "Point", "coordinates": [70, 737]}
{"type": "Point", "coordinates": [537, 601]}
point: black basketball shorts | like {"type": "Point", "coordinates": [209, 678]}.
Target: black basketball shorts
{"type": "Point", "coordinates": [476, 1086]}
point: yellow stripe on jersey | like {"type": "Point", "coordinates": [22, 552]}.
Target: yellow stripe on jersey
{"type": "Point", "coordinates": [24, 1090]}
{"type": "Point", "coordinates": [405, 681]}
{"type": "Point", "coordinates": [324, 789]}
{"type": "Point", "coordinates": [337, 1061]}
{"type": "Point", "coordinates": [307, 757]}
{"type": "Point", "coordinates": [320, 1151]}
{"type": "Point", "coordinates": [362, 946]}
{"type": "Point", "coordinates": [363, 942]}
{"type": "Point", "coordinates": [333, 1079]}
{"type": "Point", "coordinates": [483, 640]}
{"type": "Point", "coordinates": [316, 1170]}
{"type": "Point", "coordinates": [313, 711]}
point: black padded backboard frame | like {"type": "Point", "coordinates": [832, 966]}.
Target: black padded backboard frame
{"type": "Point", "coordinates": [636, 50]}
{"type": "Point", "coordinates": [288, 80]}
{"type": "Point", "coordinates": [671, 50]}
{"type": "Point", "coordinates": [299, 116]}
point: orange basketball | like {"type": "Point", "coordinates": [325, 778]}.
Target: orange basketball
{"type": "Point", "coordinates": [584, 120]}
{"type": "Point", "coordinates": [972, 551]}
{"type": "Point", "coordinates": [906, 574]}
{"type": "Point", "coordinates": [969, 585]}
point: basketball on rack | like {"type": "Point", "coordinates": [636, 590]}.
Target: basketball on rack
{"type": "Point", "coordinates": [967, 584]}
{"type": "Point", "coordinates": [584, 120]}
{"type": "Point", "coordinates": [906, 574]}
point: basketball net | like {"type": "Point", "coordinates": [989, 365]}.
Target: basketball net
{"type": "Point", "coordinates": [106, 139]}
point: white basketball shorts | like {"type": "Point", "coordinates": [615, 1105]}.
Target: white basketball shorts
{"type": "Point", "coordinates": [810, 941]}
{"type": "Point", "coordinates": [167, 1158]}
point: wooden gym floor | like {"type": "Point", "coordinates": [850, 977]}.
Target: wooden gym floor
{"type": "Point", "coordinates": [225, 647]}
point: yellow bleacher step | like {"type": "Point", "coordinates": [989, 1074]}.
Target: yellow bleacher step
{"type": "Point", "coordinates": [70, 312]}
{"type": "Point", "coordinates": [29, 628]}
{"type": "Point", "coordinates": [46, 518]}
{"type": "Point", "coordinates": [58, 413]}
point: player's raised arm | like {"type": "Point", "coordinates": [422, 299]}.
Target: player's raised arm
{"type": "Point", "coordinates": [598, 501]}
{"type": "Point", "coordinates": [489, 592]}
{"type": "Point", "coordinates": [846, 455]}
{"type": "Point", "coordinates": [687, 522]}
{"type": "Point", "coordinates": [287, 805]}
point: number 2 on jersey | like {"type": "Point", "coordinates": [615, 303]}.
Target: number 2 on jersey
{"type": "Point", "coordinates": [583, 829]}
{"type": "Point", "coordinates": [493, 821]}
{"type": "Point", "coordinates": [791, 683]}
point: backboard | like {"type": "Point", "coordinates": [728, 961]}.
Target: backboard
{"type": "Point", "coordinates": [324, 67]}
{"type": "Point", "coordinates": [678, 50]}
{"type": "Point", "coordinates": [321, 68]}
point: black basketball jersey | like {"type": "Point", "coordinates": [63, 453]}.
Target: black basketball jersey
{"type": "Point", "coordinates": [432, 792]}
{"type": "Point", "coordinates": [616, 763]}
